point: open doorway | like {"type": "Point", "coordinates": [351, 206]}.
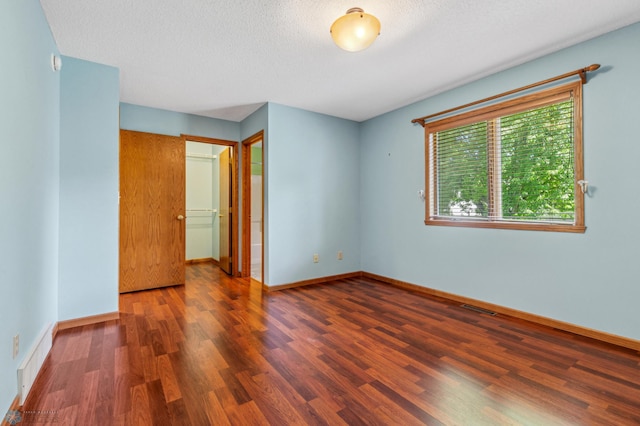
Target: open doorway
{"type": "Point", "coordinates": [211, 200]}
{"type": "Point", "coordinates": [253, 207]}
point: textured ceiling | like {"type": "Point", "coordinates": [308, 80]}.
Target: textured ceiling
{"type": "Point", "coordinates": [224, 59]}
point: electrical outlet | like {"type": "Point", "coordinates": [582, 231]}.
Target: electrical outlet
{"type": "Point", "coordinates": [340, 255]}
{"type": "Point", "coordinates": [316, 258]}
{"type": "Point", "coordinates": [16, 345]}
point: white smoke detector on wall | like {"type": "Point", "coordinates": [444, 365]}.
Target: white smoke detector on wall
{"type": "Point", "coordinates": [56, 62]}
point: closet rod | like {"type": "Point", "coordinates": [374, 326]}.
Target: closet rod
{"type": "Point", "coordinates": [582, 72]}
{"type": "Point", "coordinates": [198, 155]}
{"type": "Point", "coordinates": [203, 210]}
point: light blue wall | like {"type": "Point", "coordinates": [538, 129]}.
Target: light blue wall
{"type": "Point", "coordinates": [313, 185]}
{"type": "Point", "coordinates": [153, 120]}
{"type": "Point", "coordinates": [257, 121]}
{"type": "Point", "coordinates": [88, 189]}
{"type": "Point", "coordinates": [29, 184]}
{"type": "Point", "coordinates": [589, 279]}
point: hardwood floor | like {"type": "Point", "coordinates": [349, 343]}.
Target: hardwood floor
{"type": "Point", "coordinates": [356, 352]}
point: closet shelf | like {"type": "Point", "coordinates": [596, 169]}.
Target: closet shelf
{"type": "Point", "coordinates": [198, 155]}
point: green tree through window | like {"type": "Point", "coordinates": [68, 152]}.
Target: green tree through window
{"type": "Point", "coordinates": [537, 164]}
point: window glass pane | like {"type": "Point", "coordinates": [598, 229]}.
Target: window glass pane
{"type": "Point", "coordinates": [537, 173]}
{"type": "Point", "coordinates": [462, 171]}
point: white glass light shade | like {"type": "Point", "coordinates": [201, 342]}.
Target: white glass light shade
{"type": "Point", "coordinates": [356, 30]}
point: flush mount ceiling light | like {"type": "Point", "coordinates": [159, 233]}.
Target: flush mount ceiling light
{"type": "Point", "coordinates": [355, 30]}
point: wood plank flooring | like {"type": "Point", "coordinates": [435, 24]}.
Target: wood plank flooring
{"type": "Point", "coordinates": [354, 352]}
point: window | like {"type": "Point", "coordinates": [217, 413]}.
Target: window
{"type": "Point", "coordinates": [515, 164]}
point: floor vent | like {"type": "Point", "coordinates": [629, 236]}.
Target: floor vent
{"type": "Point", "coordinates": [479, 310]}
{"type": "Point", "coordinates": [28, 370]}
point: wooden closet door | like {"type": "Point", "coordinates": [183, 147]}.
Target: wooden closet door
{"type": "Point", "coordinates": [152, 200]}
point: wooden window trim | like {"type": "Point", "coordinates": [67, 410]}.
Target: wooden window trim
{"type": "Point", "coordinates": [511, 106]}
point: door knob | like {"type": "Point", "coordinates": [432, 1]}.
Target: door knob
{"type": "Point", "coordinates": [180, 217]}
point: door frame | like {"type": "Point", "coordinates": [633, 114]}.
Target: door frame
{"type": "Point", "coordinates": [234, 191]}
{"type": "Point", "coordinates": [246, 203]}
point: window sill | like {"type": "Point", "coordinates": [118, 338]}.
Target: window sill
{"type": "Point", "coordinates": [523, 226]}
